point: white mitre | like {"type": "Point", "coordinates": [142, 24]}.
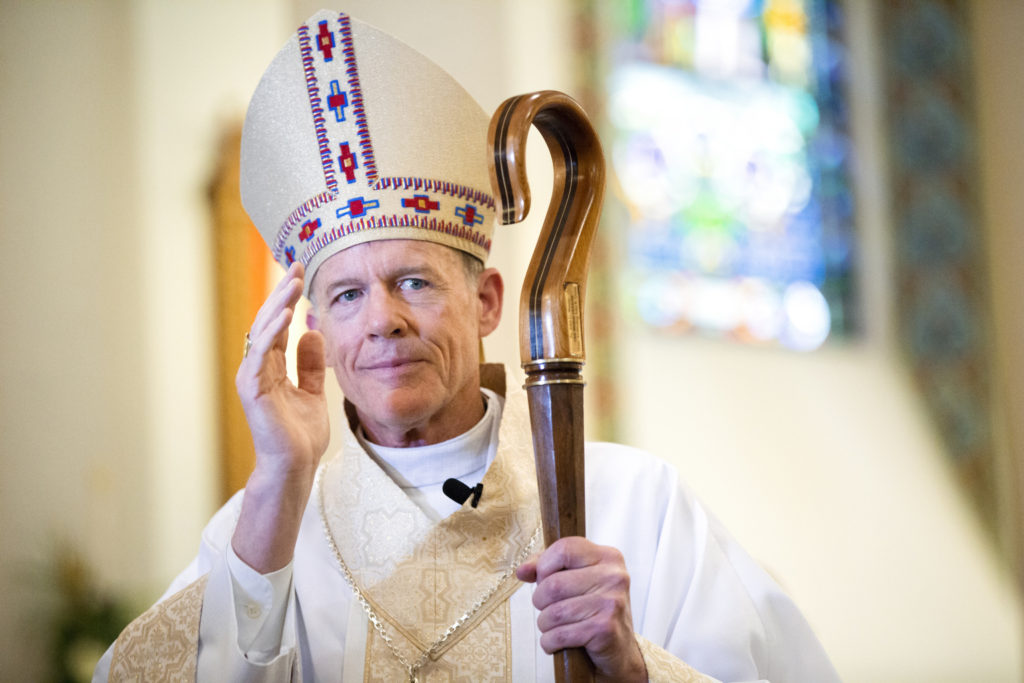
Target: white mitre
{"type": "Point", "coordinates": [353, 136]}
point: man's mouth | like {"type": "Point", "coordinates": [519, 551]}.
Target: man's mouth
{"type": "Point", "coordinates": [390, 363]}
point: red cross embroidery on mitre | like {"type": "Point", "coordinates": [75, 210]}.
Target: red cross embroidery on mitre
{"type": "Point", "coordinates": [347, 163]}
{"type": "Point", "coordinates": [325, 41]}
{"type": "Point", "coordinates": [309, 228]}
{"type": "Point", "coordinates": [420, 203]}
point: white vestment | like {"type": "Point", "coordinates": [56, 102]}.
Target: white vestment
{"type": "Point", "coordinates": [694, 592]}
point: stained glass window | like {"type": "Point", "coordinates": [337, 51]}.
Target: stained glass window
{"type": "Point", "coordinates": [729, 145]}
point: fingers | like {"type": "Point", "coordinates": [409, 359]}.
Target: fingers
{"type": "Point", "coordinates": [270, 326]}
{"type": "Point", "coordinates": [566, 553]}
{"type": "Point", "coordinates": [608, 575]}
{"type": "Point", "coordinates": [609, 641]}
{"type": "Point", "coordinates": [573, 552]}
{"type": "Point", "coordinates": [527, 571]}
{"type": "Point", "coordinates": [258, 371]}
{"type": "Point", "coordinates": [594, 612]}
{"type": "Point", "coordinates": [310, 365]}
{"type": "Point", "coordinates": [582, 596]}
{"type": "Point", "coordinates": [274, 334]}
{"type": "Point", "coordinates": [284, 297]}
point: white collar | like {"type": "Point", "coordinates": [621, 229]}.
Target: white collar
{"type": "Point", "coordinates": [464, 454]}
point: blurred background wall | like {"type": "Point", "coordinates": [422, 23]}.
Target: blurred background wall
{"type": "Point", "coordinates": [823, 464]}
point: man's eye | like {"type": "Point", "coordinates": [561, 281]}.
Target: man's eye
{"type": "Point", "coordinates": [348, 295]}
{"type": "Point", "coordinates": [413, 283]}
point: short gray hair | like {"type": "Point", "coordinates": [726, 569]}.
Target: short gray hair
{"type": "Point", "coordinates": [471, 266]}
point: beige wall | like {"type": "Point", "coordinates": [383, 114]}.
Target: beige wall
{"type": "Point", "coordinates": [71, 366]}
{"type": "Point", "coordinates": [823, 465]}
{"type": "Point", "coordinates": [106, 435]}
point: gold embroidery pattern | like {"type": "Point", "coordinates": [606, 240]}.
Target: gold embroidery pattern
{"type": "Point", "coordinates": [440, 645]}
{"type": "Point", "coordinates": [478, 657]}
{"type": "Point", "coordinates": [663, 667]}
{"type": "Point", "coordinates": [161, 644]}
{"type": "Point", "coordinates": [421, 577]}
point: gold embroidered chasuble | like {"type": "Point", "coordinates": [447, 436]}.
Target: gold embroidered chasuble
{"type": "Point", "coordinates": [162, 643]}
{"type": "Point", "coordinates": [420, 577]}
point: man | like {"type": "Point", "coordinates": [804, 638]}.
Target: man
{"type": "Point", "coordinates": [364, 169]}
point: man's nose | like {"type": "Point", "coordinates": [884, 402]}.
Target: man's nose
{"type": "Point", "coordinates": [386, 314]}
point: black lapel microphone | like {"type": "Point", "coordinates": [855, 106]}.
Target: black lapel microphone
{"type": "Point", "coordinates": [460, 493]}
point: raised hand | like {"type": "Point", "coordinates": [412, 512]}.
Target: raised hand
{"type": "Point", "coordinates": [289, 423]}
{"type": "Point", "coordinates": [290, 428]}
{"type": "Point", "coordinates": [583, 597]}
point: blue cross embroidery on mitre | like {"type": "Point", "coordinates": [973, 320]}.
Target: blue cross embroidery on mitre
{"type": "Point", "coordinates": [337, 100]}
{"type": "Point", "coordinates": [469, 215]}
{"type": "Point", "coordinates": [357, 207]}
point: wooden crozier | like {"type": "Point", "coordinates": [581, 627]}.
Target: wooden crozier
{"type": "Point", "coordinates": [551, 304]}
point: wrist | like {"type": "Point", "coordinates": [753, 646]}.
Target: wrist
{"type": "Point", "coordinates": [272, 508]}
{"type": "Point", "coordinates": [275, 476]}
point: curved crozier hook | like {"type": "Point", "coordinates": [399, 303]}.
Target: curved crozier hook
{"type": "Point", "coordinates": [551, 307]}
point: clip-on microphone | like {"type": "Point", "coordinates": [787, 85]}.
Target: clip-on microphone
{"type": "Point", "coordinates": [459, 492]}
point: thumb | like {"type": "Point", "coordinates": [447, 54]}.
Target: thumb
{"type": "Point", "coordinates": [310, 365]}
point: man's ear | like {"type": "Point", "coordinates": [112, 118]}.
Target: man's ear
{"type": "Point", "coordinates": [491, 291]}
{"type": "Point", "coordinates": [312, 322]}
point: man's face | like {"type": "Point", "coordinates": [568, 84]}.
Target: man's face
{"type": "Point", "coordinates": [402, 324]}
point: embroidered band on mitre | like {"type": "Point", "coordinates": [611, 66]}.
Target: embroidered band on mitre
{"type": "Point", "coordinates": [353, 136]}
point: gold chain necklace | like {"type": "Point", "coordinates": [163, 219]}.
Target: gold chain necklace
{"type": "Point", "coordinates": [378, 624]}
